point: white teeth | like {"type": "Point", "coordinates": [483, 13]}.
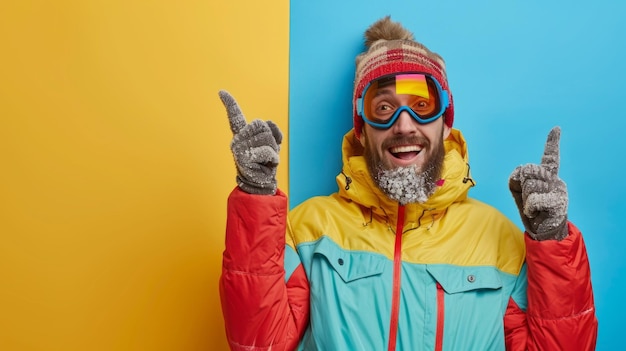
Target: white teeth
{"type": "Point", "coordinates": [404, 148]}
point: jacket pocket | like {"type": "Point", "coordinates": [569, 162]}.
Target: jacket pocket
{"type": "Point", "coordinates": [349, 265]}
{"type": "Point", "coordinates": [471, 303]}
{"type": "Point", "coordinates": [455, 279]}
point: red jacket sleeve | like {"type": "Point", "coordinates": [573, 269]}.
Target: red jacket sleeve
{"type": "Point", "coordinates": [261, 311]}
{"type": "Point", "coordinates": [561, 312]}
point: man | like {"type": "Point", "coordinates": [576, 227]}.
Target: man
{"type": "Point", "coordinates": [400, 258]}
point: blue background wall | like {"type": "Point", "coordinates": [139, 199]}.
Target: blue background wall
{"type": "Point", "coordinates": [516, 69]}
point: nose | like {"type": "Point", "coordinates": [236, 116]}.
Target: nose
{"type": "Point", "coordinates": [405, 124]}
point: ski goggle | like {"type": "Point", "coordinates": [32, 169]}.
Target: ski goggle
{"type": "Point", "coordinates": [379, 105]}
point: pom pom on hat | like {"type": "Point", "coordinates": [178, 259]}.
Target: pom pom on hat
{"type": "Point", "coordinates": [385, 29]}
{"type": "Point", "coordinates": [391, 48]}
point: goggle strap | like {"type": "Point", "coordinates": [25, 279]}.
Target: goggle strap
{"type": "Point", "coordinates": [445, 99]}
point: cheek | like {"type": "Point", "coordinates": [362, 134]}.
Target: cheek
{"type": "Point", "coordinates": [371, 148]}
{"type": "Point", "coordinates": [446, 131]}
{"type": "Point", "coordinates": [375, 145]}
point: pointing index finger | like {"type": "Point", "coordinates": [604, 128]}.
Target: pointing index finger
{"type": "Point", "coordinates": [550, 158]}
{"type": "Point", "coordinates": [235, 116]}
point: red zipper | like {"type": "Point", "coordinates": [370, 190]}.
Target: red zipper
{"type": "Point", "coordinates": [440, 314]}
{"type": "Point", "coordinates": [397, 272]}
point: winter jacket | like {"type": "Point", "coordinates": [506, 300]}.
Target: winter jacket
{"type": "Point", "coordinates": [357, 271]}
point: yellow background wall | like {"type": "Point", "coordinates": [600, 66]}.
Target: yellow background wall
{"type": "Point", "coordinates": [115, 165]}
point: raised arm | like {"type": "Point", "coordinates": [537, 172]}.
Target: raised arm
{"type": "Point", "coordinates": [560, 314]}
{"type": "Point", "coordinates": [261, 310]}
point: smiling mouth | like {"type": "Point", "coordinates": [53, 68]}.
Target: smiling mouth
{"type": "Point", "coordinates": [405, 152]}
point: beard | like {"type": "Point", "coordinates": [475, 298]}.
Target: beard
{"type": "Point", "coordinates": [410, 184]}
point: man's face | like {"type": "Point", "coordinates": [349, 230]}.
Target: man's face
{"type": "Point", "coordinates": [406, 159]}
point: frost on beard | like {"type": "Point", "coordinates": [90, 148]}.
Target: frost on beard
{"type": "Point", "coordinates": [406, 184]}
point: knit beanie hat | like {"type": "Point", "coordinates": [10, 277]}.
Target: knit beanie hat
{"type": "Point", "coordinates": [391, 48]}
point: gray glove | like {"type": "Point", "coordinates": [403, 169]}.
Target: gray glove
{"type": "Point", "coordinates": [255, 147]}
{"type": "Point", "coordinates": [540, 195]}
